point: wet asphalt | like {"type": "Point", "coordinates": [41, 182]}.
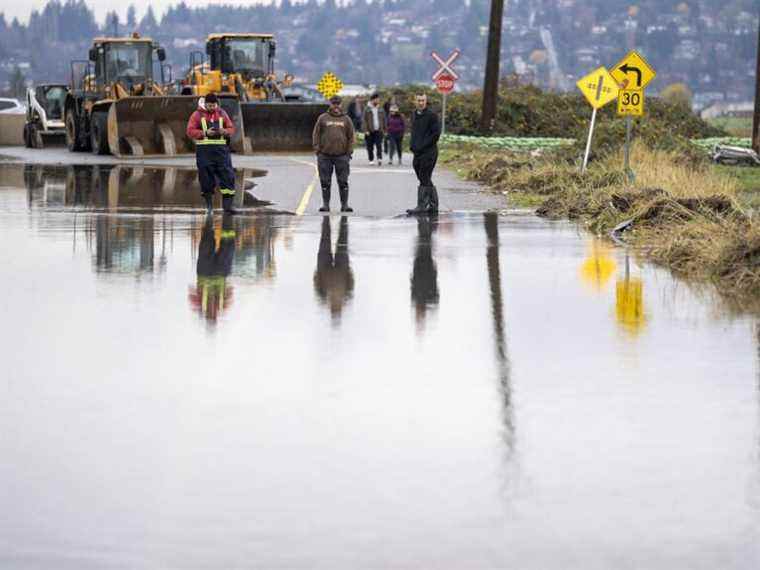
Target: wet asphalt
{"type": "Point", "coordinates": [291, 181]}
{"type": "Point", "coordinates": [479, 389]}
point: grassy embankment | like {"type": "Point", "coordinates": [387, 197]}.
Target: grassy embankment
{"type": "Point", "coordinates": [748, 179]}
{"type": "Point", "coordinates": [681, 210]}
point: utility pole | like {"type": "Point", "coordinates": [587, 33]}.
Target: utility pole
{"type": "Point", "coordinates": [756, 118]}
{"type": "Point", "coordinates": [491, 85]}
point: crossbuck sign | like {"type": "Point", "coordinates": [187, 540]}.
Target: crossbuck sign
{"type": "Point", "coordinates": [446, 64]}
{"type": "Point", "coordinates": [445, 78]}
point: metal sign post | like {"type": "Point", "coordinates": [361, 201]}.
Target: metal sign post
{"type": "Point", "coordinates": [443, 115]}
{"type": "Point", "coordinates": [588, 143]}
{"type": "Point", "coordinates": [628, 172]}
{"type": "Point", "coordinates": [445, 80]}
{"type": "Point", "coordinates": [598, 88]}
{"type": "Point", "coordinates": [444, 83]}
{"type": "Point", "coordinates": [633, 73]}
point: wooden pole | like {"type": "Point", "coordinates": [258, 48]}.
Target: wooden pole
{"type": "Point", "coordinates": [491, 85]}
{"type": "Point", "coordinates": [756, 118]}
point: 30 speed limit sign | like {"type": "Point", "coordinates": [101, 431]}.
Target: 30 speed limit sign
{"type": "Point", "coordinates": [631, 102]}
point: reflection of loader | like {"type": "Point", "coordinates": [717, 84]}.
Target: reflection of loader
{"type": "Point", "coordinates": [126, 187]}
{"type": "Point", "coordinates": [44, 114]}
{"type": "Point", "coordinates": [242, 65]}
{"type": "Point", "coordinates": [115, 105]}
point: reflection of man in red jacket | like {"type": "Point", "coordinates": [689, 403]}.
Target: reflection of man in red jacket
{"type": "Point", "coordinates": [210, 126]}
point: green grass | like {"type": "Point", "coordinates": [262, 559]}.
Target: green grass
{"type": "Point", "coordinates": [748, 178]}
{"type": "Point", "coordinates": [736, 126]}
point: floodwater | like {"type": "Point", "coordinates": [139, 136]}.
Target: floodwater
{"type": "Point", "coordinates": [273, 391]}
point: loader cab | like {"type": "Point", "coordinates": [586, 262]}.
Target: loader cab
{"type": "Point", "coordinates": [250, 55]}
{"type": "Point", "coordinates": [127, 61]}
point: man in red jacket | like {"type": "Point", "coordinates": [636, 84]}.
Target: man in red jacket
{"type": "Point", "coordinates": [210, 126]}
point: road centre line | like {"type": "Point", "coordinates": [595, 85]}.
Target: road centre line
{"type": "Point", "coordinates": [306, 196]}
{"type": "Point", "coordinates": [304, 202]}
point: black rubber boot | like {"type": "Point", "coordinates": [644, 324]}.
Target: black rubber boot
{"type": "Point", "coordinates": [227, 200]}
{"type": "Point", "coordinates": [325, 200]}
{"type": "Point", "coordinates": [432, 200]}
{"type": "Point", "coordinates": [209, 199]}
{"type": "Point", "coordinates": [420, 209]}
{"type": "Point", "coordinates": [344, 207]}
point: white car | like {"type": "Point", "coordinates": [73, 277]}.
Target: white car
{"type": "Point", "coordinates": [11, 106]}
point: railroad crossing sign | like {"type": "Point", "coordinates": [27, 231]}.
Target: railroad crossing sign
{"type": "Point", "coordinates": [445, 83]}
{"type": "Point", "coordinates": [633, 71]}
{"type": "Point", "coordinates": [598, 87]}
{"type": "Point", "coordinates": [445, 65]}
{"type": "Point", "coordinates": [631, 102]}
{"type": "Point", "coordinates": [329, 85]}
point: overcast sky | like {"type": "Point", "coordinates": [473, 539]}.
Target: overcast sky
{"type": "Point", "coordinates": [21, 10]}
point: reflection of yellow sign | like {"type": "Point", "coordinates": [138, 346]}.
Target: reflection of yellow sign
{"type": "Point", "coordinates": [598, 267]}
{"type": "Point", "coordinates": [629, 305]}
{"type": "Point", "coordinates": [633, 71]}
{"type": "Point", "coordinates": [329, 85]}
{"type": "Point", "coordinates": [598, 87]}
{"type": "Point", "coordinates": [631, 102]}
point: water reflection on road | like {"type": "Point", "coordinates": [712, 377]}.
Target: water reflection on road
{"type": "Point", "coordinates": [466, 391]}
{"type": "Point", "coordinates": [126, 188]}
{"type": "Point", "coordinates": [333, 278]}
{"type": "Point", "coordinates": [211, 295]}
{"type": "Point", "coordinates": [424, 280]}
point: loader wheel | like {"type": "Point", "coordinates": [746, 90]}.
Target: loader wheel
{"type": "Point", "coordinates": [27, 138]}
{"type": "Point", "coordinates": [99, 134]}
{"type": "Point", "coordinates": [72, 134]}
{"type": "Point", "coordinates": [35, 138]}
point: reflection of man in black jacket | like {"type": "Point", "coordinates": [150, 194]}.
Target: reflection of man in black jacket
{"type": "Point", "coordinates": [333, 279]}
{"type": "Point", "coordinates": [424, 282]}
{"type": "Point", "coordinates": [212, 295]}
{"type": "Point", "coordinates": [426, 130]}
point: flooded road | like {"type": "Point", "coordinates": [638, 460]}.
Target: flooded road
{"type": "Point", "coordinates": [279, 391]}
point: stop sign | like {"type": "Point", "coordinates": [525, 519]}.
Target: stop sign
{"type": "Point", "coordinates": [445, 83]}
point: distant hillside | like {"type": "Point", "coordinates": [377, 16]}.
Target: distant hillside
{"type": "Point", "coordinates": [708, 45]}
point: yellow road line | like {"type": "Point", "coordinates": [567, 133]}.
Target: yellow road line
{"type": "Point", "coordinates": [309, 189]}
{"type": "Point", "coordinates": [303, 162]}
{"type": "Point", "coordinates": [306, 197]}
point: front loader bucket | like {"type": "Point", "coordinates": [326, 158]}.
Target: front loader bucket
{"type": "Point", "coordinates": [238, 142]}
{"type": "Point", "coordinates": [155, 126]}
{"type": "Point", "coordinates": [274, 126]}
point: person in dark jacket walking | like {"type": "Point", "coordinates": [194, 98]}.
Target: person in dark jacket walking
{"type": "Point", "coordinates": [333, 142]}
{"type": "Point", "coordinates": [387, 110]}
{"type": "Point", "coordinates": [426, 130]}
{"type": "Point", "coordinates": [373, 124]}
{"type": "Point", "coordinates": [355, 112]}
{"type": "Point", "coordinates": [210, 126]}
{"type": "Point", "coordinates": [396, 130]}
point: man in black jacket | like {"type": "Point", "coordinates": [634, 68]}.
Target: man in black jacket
{"type": "Point", "coordinates": [426, 129]}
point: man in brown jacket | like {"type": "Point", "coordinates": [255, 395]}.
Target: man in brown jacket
{"type": "Point", "coordinates": [333, 141]}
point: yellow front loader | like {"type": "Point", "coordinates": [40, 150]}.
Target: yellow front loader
{"type": "Point", "coordinates": [241, 67]}
{"type": "Point", "coordinates": [115, 105]}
